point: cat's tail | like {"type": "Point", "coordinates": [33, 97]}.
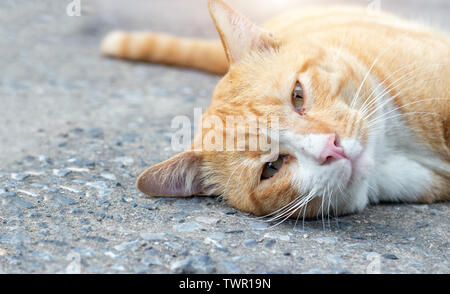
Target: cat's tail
{"type": "Point", "coordinates": [206, 55]}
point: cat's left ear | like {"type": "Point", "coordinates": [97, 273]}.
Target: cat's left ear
{"type": "Point", "coordinates": [238, 34]}
{"type": "Point", "coordinates": [180, 175]}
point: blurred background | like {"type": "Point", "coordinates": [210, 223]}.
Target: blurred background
{"type": "Point", "coordinates": [191, 18]}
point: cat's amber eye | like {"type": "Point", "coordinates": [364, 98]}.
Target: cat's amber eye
{"type": "Point", "coordinates": [297, 98]}
{"type": "Point", "coordinates": [271, 168]}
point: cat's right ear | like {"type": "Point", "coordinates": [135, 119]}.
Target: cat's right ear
{"type": "Point", "coordinates": [238, 34]}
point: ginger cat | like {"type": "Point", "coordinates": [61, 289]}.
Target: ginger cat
{"type": "Point", "coordinates": [362, 102]}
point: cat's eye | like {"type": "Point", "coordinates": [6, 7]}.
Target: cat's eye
{"type": "Point", "coordinates": [271, 168]}
{"type": "Point", "coordinates": [297, 98]}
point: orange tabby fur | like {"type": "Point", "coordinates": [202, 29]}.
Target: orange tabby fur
{"type": "Point", "coordinates": [331, 49]}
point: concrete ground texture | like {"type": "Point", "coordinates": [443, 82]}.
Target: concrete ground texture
{"type": "Point", "coordinates": [76, 129]}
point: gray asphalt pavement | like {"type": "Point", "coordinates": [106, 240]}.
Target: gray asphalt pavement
{"type": "Point", "coordinates": [76, 129]}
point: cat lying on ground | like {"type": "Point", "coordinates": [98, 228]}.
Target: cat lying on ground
{"type": "Point", "coordinates": [360, 103]}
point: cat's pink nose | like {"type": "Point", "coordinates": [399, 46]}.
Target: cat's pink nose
{"type": "Point", "coordinates": [332, 150]}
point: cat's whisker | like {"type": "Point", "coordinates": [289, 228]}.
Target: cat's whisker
{"type": "Point", "coordinates": [375, 119]}
{"type": "Point", "coordinates": [304, 216]}
{"type": "Point", "coordinates": [326, 205]}
{"type": "Point", "coordinates": [369, 100]}
{"type": "Point", "coordinates": [303, 208]}
{"type": "Point", "coordinates": [336, 210]}
{"type": "Point", "coordinates": [298, 217]}
{"type": "Point", "coordinates": [321, 209]}
{"type": "Point", "coordinates": [377, 127]}
{"type": "Point", "coordinates": [280, 209]}
{"type": "Point", "coordinates": [293, 202]}
{"type": "Point", "coordinates": [405, 105]}
{"type": "Point", "coordinates": [326, 202]}
{"type": "Point", "coordinates": [286, 217]}
{"type": "Point", "coordinates": [329, 205]}
{"type": "Point", "coordinates": [356, 96]}
{"type": "Point", "coordinates": [298, 203]}
{"type": "Point", "coordinates": [371, 188]}
{"type": "Point", "coordinates": [380, 127]}
{"type": "Point", "coordinates": [382, 119]}
{"type": "Point", "coordinates": [390, 75]}
{"type": "Point", "coordinates": [282, 213]}
{"type": "Point", "coordinates": [380, 106]}
{"type": "Point", "coordinates": [369, 125]}
{"type": "Point", "coordinates": [365, 104]}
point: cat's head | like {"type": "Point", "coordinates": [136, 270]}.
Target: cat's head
{"type": "Point", "coordinates": [304, 94]}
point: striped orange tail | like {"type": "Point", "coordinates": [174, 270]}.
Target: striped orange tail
{"type": "Point", "coordinates": [205, 55]}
